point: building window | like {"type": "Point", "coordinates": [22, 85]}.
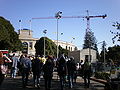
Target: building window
{"type": "Point", "coordinates": [69, 48]}
{"type": "Point", "coordinates": [30, 45]}
{"type": "Point", "coordinates": [25, 47]}
{"type": "Point", "coordinates": [87, 57]}
{"type": "Point", "coordinates": [66, 47]}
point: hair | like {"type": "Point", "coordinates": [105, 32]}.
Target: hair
{"type": "Point", "coordinates": [25, 55]}
{"type": "Point", "coordinates": [1, 54]}
{"type": "Point", "coordinates": [14, 54]}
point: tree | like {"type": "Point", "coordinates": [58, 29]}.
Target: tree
{"type": "Point", "coordinates": [90, 41]}
{"type": "Point", "coordinates": [114, 53]}
{"type": "Point", "coordinates": [117, 32]}
{"type": "Point", "coordinates": [50, 47]}
{"type": "Point", "coordinates": [8, 37]}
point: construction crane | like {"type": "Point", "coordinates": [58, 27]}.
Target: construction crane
{"type": "Point", "coordinates": [58, 16]}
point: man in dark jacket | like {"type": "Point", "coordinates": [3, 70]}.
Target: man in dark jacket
{"type": "Point", "coordinates": [87, 72]}
{"type": "Point", "coordinates": [61, 68]}
{"type": "Point", "coordinates": [71, 68]}
{"type": "Point", "coordinates": [37, 65]}
{"type": "Point", "coordinates": [48, 72]}
{"type": "Point", "coordinates": [26, 67]}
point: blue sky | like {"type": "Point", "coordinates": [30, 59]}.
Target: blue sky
{"type": "Point", "coordinates": [25, 10]}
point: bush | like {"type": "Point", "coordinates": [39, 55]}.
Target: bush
{"type": "Point", "coordinates": [102, 75]}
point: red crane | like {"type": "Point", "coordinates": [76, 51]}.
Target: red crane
{"type": "Point", "coordinates": [58, 16]}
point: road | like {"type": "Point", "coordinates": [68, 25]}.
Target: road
{"type": "Point", "coordinates": [16, 84]}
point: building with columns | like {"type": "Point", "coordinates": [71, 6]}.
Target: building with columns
{"type": "Point", "coordinates": [25, 35]}
{"type": "Point", "coordinates": [66, 45]}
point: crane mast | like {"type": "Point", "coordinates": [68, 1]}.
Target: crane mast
{"type": "Point", "coordinates": [88, 17]}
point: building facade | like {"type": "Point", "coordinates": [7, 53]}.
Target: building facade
{"type": "Point", "coordinates": [28, 41]}
{"type": "Point", "coordinates": [25, 35]}
{"type": "Point", "coordinates": [84, 54]}
{"type": "Point", "coordinates": [66, 45]}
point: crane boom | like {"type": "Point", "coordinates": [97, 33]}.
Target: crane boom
{"type": "Point", "coordinates": [103, 16]}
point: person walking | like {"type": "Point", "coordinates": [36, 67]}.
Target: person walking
{"type": "Point", "coordinates": [48, 72]}
{"type": "Point", "coordinates": [71, 69]}
{"type": "Point", "coordinates": [62, 69]}
{"type": "Point", "coordinates": [3, 67]}
{"type": "Point", "coordinates": [26, 68]}
{"type": "Point", "coordinates": [20, 65]}
{"type": "Point", "coordinates": [15, 61]}
{"type": "Point", "coordinates": [87, 72]}
{"type": "Point", "coordinates": [37, 65]}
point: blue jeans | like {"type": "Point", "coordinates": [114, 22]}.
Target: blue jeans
{"type": "Point", "coordinates": [62, 81]}
{"type": "Point", "coordinates": [25, 74]}
{"type": "Point", "coordinates": [70, 80]}
{"type": "Point", "coordinates": [13, 72]}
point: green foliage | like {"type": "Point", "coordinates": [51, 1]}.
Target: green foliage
{"type": "Point", "coordinates": [114, 53]}
{"type": "Point", "coordinates": [90, 41]}
{"type": "Point", "coordinates": [102, 75]}
{"type": "Point", "coordinates": [116, 33]}
{"type": "Point", "coordinates": [50, 47]}
{"type": "Point", "coordinates": [8, 37]}
{"type": "Point", "coordinates": [102, 55]}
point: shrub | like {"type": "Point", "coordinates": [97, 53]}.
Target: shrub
{"type": "Point", "coordinates": [102, 75]}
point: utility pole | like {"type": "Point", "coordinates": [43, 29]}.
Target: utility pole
{"type": "Point", "coordinates": [103, 48]}
{"type": "Point", "coordinates": [45, 31]}
{"type": "Point", "coordinates": [58, 16]}
{"type": "Point", "coordinates": [20, 26]}
{"type": "Point", "coordinates": [104, 44]}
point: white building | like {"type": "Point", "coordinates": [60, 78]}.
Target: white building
{"type": "Point", "coordinates": [84, 54]}
{"type": "Point", "coordinates": [65, 45]}
{"type": "Point", "coordinates": [25, 35]}
{"type": "Point", "coordinates": [28, 41]}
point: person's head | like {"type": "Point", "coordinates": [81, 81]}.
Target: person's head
{"type": "Point", "coordinates": [71, 58]}
{"type": "Point", "coordinates": [13, 54]}
{"type": "Point", "coordinates": [25, 55]}
{"type": "Point", "coordinates": [81, 60]}
{"type": "Point", "coordinates": [1, 54]}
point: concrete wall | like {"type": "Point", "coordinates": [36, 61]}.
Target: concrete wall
{"type": "Point", "coordinates": [88, 51]}
{"type": "Point", "coordinates": [80, 54]}
{"type": "Point", "coordinates": [75, 54]}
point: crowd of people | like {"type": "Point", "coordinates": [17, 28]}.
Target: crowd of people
{"type": "Point", "coordinates": [25, 65]}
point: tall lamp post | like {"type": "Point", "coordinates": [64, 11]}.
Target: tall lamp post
{"type": "Point", "coordinates": [103, 46]}
{"type": "Point", "coordinates": [57, 16]}
{"type": "Point", "coordinates": [45, 31]}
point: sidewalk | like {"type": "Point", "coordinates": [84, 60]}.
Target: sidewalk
{"type": "Point", "coordinates": [16, 84]}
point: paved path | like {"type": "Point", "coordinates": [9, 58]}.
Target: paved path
{"type": "Point", "coordinates": [16, 84]}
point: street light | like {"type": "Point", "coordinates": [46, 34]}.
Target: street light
{"type": "Point", "coordinates": [57, 16]}
{"type": "Point", "coordinates": [103, 46]}
{"type": "Point", "coordinates": [45, 31]}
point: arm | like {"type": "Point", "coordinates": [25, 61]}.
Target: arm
{"type": "Point", "coordinates": [6, 59]}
